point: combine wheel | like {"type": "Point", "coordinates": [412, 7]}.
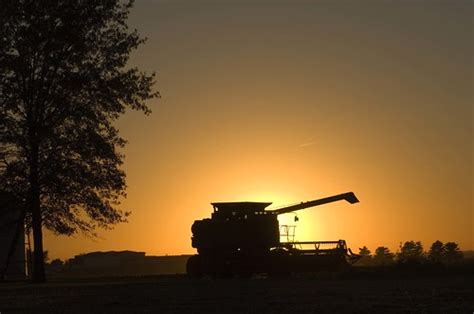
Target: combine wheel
{"type": "Point", "coordinates": [278, 263]}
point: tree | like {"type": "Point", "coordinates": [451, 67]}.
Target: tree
{"type": "Point", "coordinates": [64, 80]}
{"type": "Point", "coordinates": [365, 256]}
{"type": "Point", "coordinates": [436, 252]}
{"type": "Point", "coordinates": [410, 252]}
{"type": "Point", "coordinates": [56, 266]}
{"type": "Point", "coordinates": [383, 256]}
{"type": "Point", "coordinates": [57, 263]}
{"type": "Point", "coordinates": [364, 251]}
{"type": "Point", "coordinates": [452, 253]}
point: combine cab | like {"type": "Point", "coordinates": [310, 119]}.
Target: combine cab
{"type": "Point", "coordinates": [243, 238]}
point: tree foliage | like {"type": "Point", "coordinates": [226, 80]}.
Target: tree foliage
{"type": "Point", "coordinates": [448, 253]}
{"type": "Point", "coordinates": [410, 252]}
{"type": "Point", "coordinates": [364, 251]}
{"type": "Point", "coordinates": [436, 252]}
{"type": "Point", "coordinates": [452, 254]}
{"type": "Point", "coordinates": [383, 256]}
{"type": "Point", "coordinates": [365, 256]}
{"type": "Point", "coordinates": [64, 80]}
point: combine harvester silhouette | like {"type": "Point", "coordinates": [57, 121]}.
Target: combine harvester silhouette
{"type": "Point", "coordinates": [242, 238]}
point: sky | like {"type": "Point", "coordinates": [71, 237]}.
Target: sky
{"type": "Point", "coordinates": [290, 101]}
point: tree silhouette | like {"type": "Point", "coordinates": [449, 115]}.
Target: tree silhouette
{"type": "Point", "coordinates": [436, 252]}
{"type": "Point", "coordinates": [452, 253]}
{"type": "Point", "coordinates": [365, 256]}
{"type": "Point", "coordinates": [383, 256]}
{"type": "Point", "coordinates": [410, 252]}
{"type": "Point", "coordinates": [63, 82]}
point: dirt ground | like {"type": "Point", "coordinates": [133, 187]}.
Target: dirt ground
{"type": "Point", "coordinates": [179, 294]}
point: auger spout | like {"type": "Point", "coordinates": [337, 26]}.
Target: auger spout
{"type": "Point", "coordinates": [349, 196]}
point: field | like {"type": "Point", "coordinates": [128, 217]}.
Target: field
{"type": "Point", "coordinates": [323, 293]}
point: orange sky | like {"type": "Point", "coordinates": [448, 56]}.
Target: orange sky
{"type": "Point", "coordinates": [288, 101]}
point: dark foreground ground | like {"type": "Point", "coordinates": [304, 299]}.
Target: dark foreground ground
{"type": "Point", "coordinates": [323, 293]}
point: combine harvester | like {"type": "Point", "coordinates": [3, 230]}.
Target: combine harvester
{"type": "Point", "coordinates": [242, 238]}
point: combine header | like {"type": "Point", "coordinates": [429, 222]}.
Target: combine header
{"type": "Point", "coordinates": [242, 238]}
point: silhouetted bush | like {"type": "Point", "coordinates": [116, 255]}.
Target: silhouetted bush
{"type": "Point", "coordinates": [383, 256]}
{"type": "Point", "coordinates": [56, 267]}
{"type": "Point", "coordinates": [451, 253]}
{"type": "Point", "coordinates": [411, 254]}
{"type": "Point", "coordinates": [436, 252]}
{"type": "Point", "coordinates": [365, 257]}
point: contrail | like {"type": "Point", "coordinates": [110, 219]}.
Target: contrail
{"type": "Point", "coordinates": [307, 144]}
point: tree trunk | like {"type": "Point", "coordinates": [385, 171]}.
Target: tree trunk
{"type": "Point", "coordinates": [35, 206]}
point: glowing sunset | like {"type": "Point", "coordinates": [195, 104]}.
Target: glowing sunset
{"type": "Point", "coordinates": [290, 102]}
{"type": "Point", "coordinates": [238, 104]}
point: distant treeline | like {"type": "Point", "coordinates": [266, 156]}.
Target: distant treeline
{"type": "Point", "coordinates": [413, 253]}
{"type": "Point", "coordinates": [410, 255]}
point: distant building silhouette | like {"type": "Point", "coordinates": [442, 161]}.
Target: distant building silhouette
{"type": "Point", "coordinates": [121, 263]}
{"type": "Point", "coordinates": [107, 259]}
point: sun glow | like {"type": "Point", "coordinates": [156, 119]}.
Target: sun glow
{"type": "Point", "coordinates": [294, 122]}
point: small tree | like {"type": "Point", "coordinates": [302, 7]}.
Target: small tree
{"type": "Point", "coordinates": [55, 266]}
{"type": "Point", "coordinates": [410, 252]}
{"type": "Point", "coordinates": [383, 256]}
{"type": "Point", "coordinates": [436, 252]}
{"type": "Point", "coordinates": [452, 254]}
{"type": "Point", "coordinates": [57, 263]}
{"type": "Point", "coordinates": [364, 252]}
{"type": "Point", "coordinates": [365, 256]}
